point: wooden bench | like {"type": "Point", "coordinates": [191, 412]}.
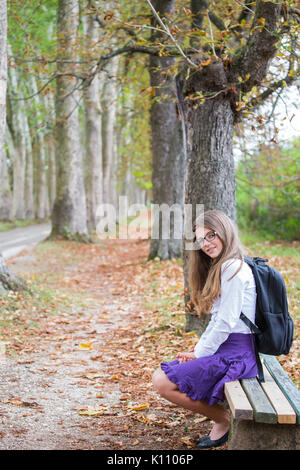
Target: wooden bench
{"type": "Point", "coordinates": [264, 416]}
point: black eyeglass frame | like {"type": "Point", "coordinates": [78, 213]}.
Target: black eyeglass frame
{"type": "Point", "coordinates": [201, 242]}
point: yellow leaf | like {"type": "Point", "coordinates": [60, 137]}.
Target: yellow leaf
{"type": "Point", "coordinates": [204, 63]}
{"type": "Point", "coordinates": [141, 406]}
{"type": "Point", "coordinates": [262, 21]}
{"type": "Point", "coordinates": [115, 377]}
{"type": "Point", "coordinates": [91, 412]}
{"type": "Point", "coordinates": [143, 419]}
{"type": "Point", "coordinates": [85, 346]}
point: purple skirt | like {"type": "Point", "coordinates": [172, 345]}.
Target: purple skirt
{"type": "Point", "coordinates": [204, 378]}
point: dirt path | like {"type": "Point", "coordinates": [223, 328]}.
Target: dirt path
{"type": "Point", "coordinates": [82, 380]}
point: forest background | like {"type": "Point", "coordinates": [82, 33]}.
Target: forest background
{"type": "Point", "coordinates": [112, 94]}
{"type": "Point", "coordinates": [163, 102]}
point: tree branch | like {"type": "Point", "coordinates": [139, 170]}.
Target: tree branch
{"type": "Point", "coordinates": [259, 100]}
{"type": "Point", "coordinates": [253, 59]}
{"type": "Point", "coordinates": [168, 32]}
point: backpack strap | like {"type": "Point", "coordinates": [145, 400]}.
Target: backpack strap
{"type": "Point", "coordinates": [255, 330]}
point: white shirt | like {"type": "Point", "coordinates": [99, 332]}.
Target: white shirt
{"type": "Point", "coordinates": [237, 295]}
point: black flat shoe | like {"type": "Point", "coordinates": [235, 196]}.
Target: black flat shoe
{"type": "Point", "coordinates": [206, 442]}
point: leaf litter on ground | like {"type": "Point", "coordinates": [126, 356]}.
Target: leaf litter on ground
{"type": "Point", "coordinates": [66, 309]}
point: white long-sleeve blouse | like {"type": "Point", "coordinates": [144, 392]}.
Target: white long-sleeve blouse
{"type": "Point", "coordinates": [237, 295]}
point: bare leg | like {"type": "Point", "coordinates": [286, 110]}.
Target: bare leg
{"type": "Point", "coordinates": [170, 392]}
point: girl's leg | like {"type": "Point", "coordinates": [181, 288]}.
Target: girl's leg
{"type": "Point", "coordinates": [170, 392]}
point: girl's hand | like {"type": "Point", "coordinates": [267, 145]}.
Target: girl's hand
{"type": "Point", "coordinates": [185, 356]}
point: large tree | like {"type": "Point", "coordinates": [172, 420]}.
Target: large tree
{"type": "Point", "coordinates": [4, 187]}
{"type": "Point", "coordinates": [8, 281]}
{"type": "Point", "coordinates": [69, 211]}
{"type": "Point", "coordinates": [231, 80]}
{"type": "Point", "coordinates": [168, 152]}
{"type": "Point", "coordinates": [225, 72]}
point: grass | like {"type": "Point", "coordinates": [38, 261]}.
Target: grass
{"type": "Point", "coordinates": [11, 224]}
{"type": "Point", "coordinates": [257, 244]}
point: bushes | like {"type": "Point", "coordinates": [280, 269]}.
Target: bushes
{"type": "Point", "coordinates": [268, 191]}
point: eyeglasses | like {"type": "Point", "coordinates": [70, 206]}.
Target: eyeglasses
{"type": "Point", "coordinates": [209, 237]}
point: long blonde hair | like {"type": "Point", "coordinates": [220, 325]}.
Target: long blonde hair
{"type": "Point", "coordinates": [205, 272]}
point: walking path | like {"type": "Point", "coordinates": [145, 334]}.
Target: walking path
{"type": "Point", "coordinates": [82, 378]}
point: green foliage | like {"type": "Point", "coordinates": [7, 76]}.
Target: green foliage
{"type": "Point", "coordinates": [32, 27]}
{"type": "Point", "coordinates": [268, 191]}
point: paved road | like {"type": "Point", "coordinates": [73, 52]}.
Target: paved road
{"type": "Point", "coordinates": [18, 239]}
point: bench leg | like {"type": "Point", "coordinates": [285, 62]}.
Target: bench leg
{"type": "Point", "coordinates": [249, 435]}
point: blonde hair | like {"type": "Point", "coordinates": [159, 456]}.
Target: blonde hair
{"type": "Point", "coordinates": [205, 272]}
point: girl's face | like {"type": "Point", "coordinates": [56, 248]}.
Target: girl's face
{"type": "Point", "coordinates": [209, 242]}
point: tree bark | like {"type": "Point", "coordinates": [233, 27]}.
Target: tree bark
{"type": "Point", "coordinates": [42, 209]}
{"type": "Point", "coordinates": [5, 190]}
{"type": "Point", "coordinates": [168, 153]}
{"type": "Point", "coordinates": [93, 137]}
{"type": "Point", "coordinates": [109, 106]}
{"type": "Point", "coordinates": [16, 123]}
{"type": "Point", "coordinates": [69, 211]}
{"type": "Point", "coordinates": [8, 280]}
{"type": "Point", "coordinates": [49, 104]}
{"type": "Point", "coordinates": [4, 186]}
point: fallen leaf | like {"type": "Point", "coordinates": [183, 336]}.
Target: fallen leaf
{"type": "Point", "coordinates": [85, 346]}
{"type": "Point", "coordinates": [187, 440]}
{"type": "Point", "coordinates": [200, 420]}
{"type": "Point", "coordinates": [115, 377]}
{"type": "Point", "coordinates": [93, 411]}
{"type": "Point", "coordinates": [141, 406]}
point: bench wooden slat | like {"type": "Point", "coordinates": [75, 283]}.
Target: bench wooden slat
{"type": "Point", "coordinates": [237, 399]}
{"type": "Point", "coordinates": [284, 382]}
{"type": "Point", "coordinates": [283, 408]}
{"type": "Point", "coordinates": [262, 408]}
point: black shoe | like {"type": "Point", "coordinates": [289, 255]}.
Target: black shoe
{"type": "Point", "coordinates": [206, 442]}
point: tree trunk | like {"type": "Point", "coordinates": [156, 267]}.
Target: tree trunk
{"type": "Point", "coordinates": [29, 173]}
{"type": "Point", "coordinates": [19, 138]}
{"type": "Point", "coordinates": [41, 193]}
{"type": "Point", "coordinates": [49, 104]}
{"type": "Point", "coordinates": [69, 211]}
{"type": "Point", "coordinates": [109, 106]}
{"type": "Point", "coordinates": [4, 186]}
{"type": "Point", "coordinates": [5, 191]}
{"type": "Point", "coordinates": [8, 280]}
{"type": "Point", "coordinates": [210, 175]}
{"type": "Point", "coordinates": [93, 137]}
{"type": "Point", "coordinates": [168, 154]}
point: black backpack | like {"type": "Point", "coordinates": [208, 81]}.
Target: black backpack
{"type": "Point", "coordinates": [274, 328]}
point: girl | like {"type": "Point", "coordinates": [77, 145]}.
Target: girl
{"type": "Point", "coordinates": [222, 284]}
